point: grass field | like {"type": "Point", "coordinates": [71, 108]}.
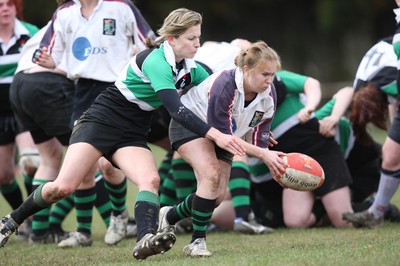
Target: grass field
{"type": "Point", "coordinates": [317, 246]}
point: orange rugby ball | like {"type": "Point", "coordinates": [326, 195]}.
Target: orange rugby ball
{"type": "Point", "coordinates": [303, 173]}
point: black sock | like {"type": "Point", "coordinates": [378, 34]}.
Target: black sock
{"type": "Point", "coordinates": [147, 208]}
{"type": "Point", "coordinates": [202, 210]}
{"type": "Point", "coordinates": [117, 194]}
{"type": "Point", "coordinates": [31, 205]}
{"type": "Point", "coordinates": [183, 210]}
{"type": "Point", "coordinates": [12, 194]}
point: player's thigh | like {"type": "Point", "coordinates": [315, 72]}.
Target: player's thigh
{"type": "Point", "coordinates": [138, 164]}
{"type": "Point", "coordinates": [200, 154]}
{"type": "Point", "coordinates": [336, 203]}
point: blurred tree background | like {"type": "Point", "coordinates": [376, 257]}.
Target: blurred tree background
{"type": "Point", "coordinates": [325, 39]}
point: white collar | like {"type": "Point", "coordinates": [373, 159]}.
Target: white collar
{"type": "Point", "coordinates": [19, 29]}
{"type": "Point", "coordinates": [397, 12]}
{"type": "Point", "coordinates": [239, 80]}
{"type": "Point", "coordinates": [170, 57]}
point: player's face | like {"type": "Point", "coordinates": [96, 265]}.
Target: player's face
{"type": "Point", "coordinates": [187, 44]}
{"type": "Point", "coordinates": [259, 78]}
{"type": "Point", "coordinates": [8, 12]}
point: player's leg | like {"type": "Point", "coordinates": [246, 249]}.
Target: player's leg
{"type": "Point", "coordinates": [84, 198]}
{"type": "Point", "coordinates": [142, 171]}
{"type": "Point", "coordinates": [336, 202]}
{"type": "Point", "coordinates": [167, 188]}
{"type": "Point", "coordinates": [239, 187]}
{"type": "Point", "coordinates": [103, 202]}
{"type": "Point", "coordinates": [297, 208]}
{"type": "Point", "coordinates": [212, 176]}
{"type": "Point", "coordinates": [8, 184]}
{"type": "Point", "coordinates": [116, 185]}
{"type": "Point", "coordinates": [65, 184]}
{"type": "Point", "coordinates": [389, 180]}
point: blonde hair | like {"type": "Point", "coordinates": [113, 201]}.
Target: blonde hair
{"type": "Point", "coordinates": [175, 24]}
{"type": "Point", "coordinates": [258, 51]}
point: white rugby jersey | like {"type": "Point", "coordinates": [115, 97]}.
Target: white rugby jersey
{"type": "Point", "coordinates": [220, 101]}
{"type": "Point", "coordinates": [98, 47]}
{"type": "Point", "coordinates": [217, 55]}
{"type": "Point", "coordinates": [378, 66]}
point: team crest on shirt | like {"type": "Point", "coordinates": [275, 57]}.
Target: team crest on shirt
{"type": "Point", "coordinates": [109, 26]}
{"type": "Point", "coordinates": [256, 118]}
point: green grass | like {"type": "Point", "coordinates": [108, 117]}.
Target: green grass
{"type": "Point", "coordinates": [316, 246]}
{"type": "Point", "coordinates": [322, 246]}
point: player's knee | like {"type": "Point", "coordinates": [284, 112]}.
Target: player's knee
{"type": "Point", "coordinates": [155, 181]}
{"type": "Point", "coordinates": [295, 221]}
{"type": "Point", "coordinates": [6, 177]}
{"type": "Point", "coordinates": [61, 192]}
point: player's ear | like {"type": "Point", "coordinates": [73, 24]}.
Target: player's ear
{"type": "Point", "coordinates": [245, 69]}
{"type": "Point", "coordinates": [171, 40]}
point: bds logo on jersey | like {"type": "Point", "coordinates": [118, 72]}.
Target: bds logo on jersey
{"type": "Point", "coordinates": [82, 49]}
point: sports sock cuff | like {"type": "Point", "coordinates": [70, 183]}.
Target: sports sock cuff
{"type": "Point", "coordinates": [178, 161]}
{"type": "Point", "coordinates": [9, 188]}
{"type": "Point", "coordinates": [37, 197]}
{"type": "Point", "coordinates": [118, 188]}
{"type": "Point", "coordinates": [394, 174]}
{"type": "Point", "coordinates": [148, 196]}
{"type": "Point", "coordinates": [241, 165]}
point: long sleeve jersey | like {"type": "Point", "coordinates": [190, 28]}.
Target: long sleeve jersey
{"type": "Point", "coordinates": [220, 101]}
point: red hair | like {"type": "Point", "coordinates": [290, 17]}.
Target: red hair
{"type": "Point", "coordinates": [369, 105]}
{"type": "Point", "coordinates": [19, 6]}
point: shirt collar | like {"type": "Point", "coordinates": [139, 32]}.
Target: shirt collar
{"type": "Point", "coordinates": [397, 12]}
{"type": "Point", "coordinates": [170, 57]}
{"type": "Point", "coordinates": [19, 29]}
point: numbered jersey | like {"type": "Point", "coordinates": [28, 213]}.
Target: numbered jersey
{"type": "Point", "coordinates": [378, 66]}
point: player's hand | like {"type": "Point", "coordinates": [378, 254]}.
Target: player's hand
{"type": "Point", "coordinates": [304, 115]}
{"type": "Point", "coordinates": [272, 141]}
{"type": "Point", "coordinates": [275, 162]}
{"type": "Point", "coordinates": [231, 144]}
{"type": "Point", "coordinates": [43, 58]}
{"type": "Point", "coordinates": [327, 126]}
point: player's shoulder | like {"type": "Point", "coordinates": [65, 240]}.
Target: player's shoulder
{"type": "Point", "coordinates": [32, 29]}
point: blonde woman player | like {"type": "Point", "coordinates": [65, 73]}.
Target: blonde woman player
{"type": "Point", "coordinates": [116, 126]}
{"type": "Point", "coordinates": [241, 102]}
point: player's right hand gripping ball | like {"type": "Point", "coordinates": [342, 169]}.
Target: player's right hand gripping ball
{"type": "Point", "coordinates": [303, 173]}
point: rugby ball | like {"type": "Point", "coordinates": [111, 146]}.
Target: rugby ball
{"type": "Point", "coordinates": [303, 173]}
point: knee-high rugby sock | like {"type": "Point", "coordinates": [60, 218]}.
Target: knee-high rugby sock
{"type": "Point", "coordinates": [168, 191]}
{"type": "Point", "coordinates": [239, 186]}
{"type": "Point", "coordinates": [147, 208]}
{"type": "Point", "coordinates": [84, 201]}
{"type": "Point", "coordinates": [40, 220]}
{"type": "Point", "coordinates": [31, 205]}
{"type": "Point", "coordinates": [185, 180]}
{"type": "Point", "coordinates": [12, 193]}
{"type": "Point", "coordinates": [117, 194]}
{"type": "Point", "coordinates": [28, 183]}
{"type": "Point", "coordinates": [388, 184]}
{"type": "Point", "coordinates": [103, 202]}
{"type": "Point", "coordinates": [165, 166]}
{"type": "Point", "coordinates": [59, 211]}
{"type": "Point", "coordinates": [183, 210]}
{"type": "Point", "coordinates": [202, 210]}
